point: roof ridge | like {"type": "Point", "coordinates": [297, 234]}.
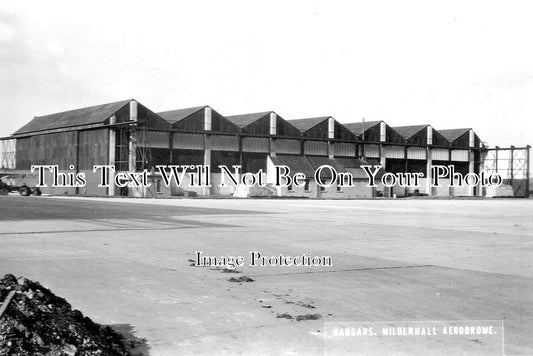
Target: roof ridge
{"type": "Point", "coordinates": [189, 108]}
{"type": "Point", "coordinates": [85, 107]}
{"type": "Point", "coordinates": [252, 113]}
{"type": "Point", "coordinates": [312, 118]}
{"type": "Point", "coordinates": [88, 115]}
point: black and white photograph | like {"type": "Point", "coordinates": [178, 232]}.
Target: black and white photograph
{"type": "Point", "coordinates": [302, 177]}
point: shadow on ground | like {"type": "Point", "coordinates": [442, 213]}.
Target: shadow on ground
{"type": "Point", "coordinates": [137, 346]}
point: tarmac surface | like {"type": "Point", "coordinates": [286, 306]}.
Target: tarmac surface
{"type": "Point", "coordinates": [129, 263]}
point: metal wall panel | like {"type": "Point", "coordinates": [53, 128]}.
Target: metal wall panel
{"type": "Point", "coordinates": [440, 154]}
{"type": "Point", "coordinates": [416, 153]}
{"type": "Point", "coordinates": [23, 146]}
{"type": "Point", "coordinates": [155, 139]}
{"type": "Point", "coordinates": [343, 149]}
{"type": "Point", "coordinates": [93, 148]}
{"type": "Point", "coordinates": [47, 149]}
{"type": "Point", "coordinates": [287, 146]}
{"type": "Point", "coordinates": [394, 152]}
{"type": "Point", "coordinates": [8, 149]}
{"type": "Point", "coordinates": [371, 151]}
{"type": "Point", "coordinates": [316, 148]}
{"type": "Point", "coordinates": [188, 141]}
{"type": "Point", "coordinates": [255, 144]}
{"type": "Point", "coordinates": [460, 155]}
{"type": "Point", "coordinates": [224, 143]}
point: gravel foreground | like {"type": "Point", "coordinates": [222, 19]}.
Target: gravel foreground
{"type": "Point", "coordinates": [34, 321]}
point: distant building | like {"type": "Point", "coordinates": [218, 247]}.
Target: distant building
{"type": "Point", "coordinates": [132, 137]}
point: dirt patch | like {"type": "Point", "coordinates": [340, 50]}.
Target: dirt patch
{"type": "Point", "coordinates": [227, 270]}
{"type": "Point", "coordinates": [241, 279]}
{"type": "Point", "coordinates": [284, 316]}
{"type": "Point", "coordinates": [299, 317]}
{"type": "Point", "coordinates": [192, 262]}
{"type": "Point", "coordinates": [222, 270]}
{"type": "Point", "coordinates": [302, 304]}
{"type": "Point", "coordinates": [308, 317]}
{"type": "Point", "coordinates": [37, 322]}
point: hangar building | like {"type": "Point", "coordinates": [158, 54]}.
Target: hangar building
{"type": "Point", "coordinates": [132, 137]}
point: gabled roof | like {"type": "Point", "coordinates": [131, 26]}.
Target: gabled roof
{"type": "Point", "coordinates": [453, 134]}
{"type": "Point", "coordinates": [78, 117]}
{"type": "Point", "coordinates": [359, 173]}
{"type": "Point", "coordinates": [306, 124]}
{"type": "Point", "coordinates": [348, 162]}
{"type": "Point", "coordinates": [408, 131]}
{"type": "Point", "coordinates": [295, 163]}
{"type": "Point", "coordinates": [246, 119]}
{"type": "Point", "coordinates": [173, 116]}
{"type": "Point", "coordinates": [317, 161]}
{"type": "Point", "coordinates": [309, 164]}
{"type": "Point", "coordinates": [357, 127]}
{"type": "Point", "coordinates": [353, 166]}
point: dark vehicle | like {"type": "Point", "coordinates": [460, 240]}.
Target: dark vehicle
{"type": "Point", "coordinates": [15, 183]}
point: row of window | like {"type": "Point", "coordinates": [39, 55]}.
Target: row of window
{"type": "Point", "coordinates": [307, 188]}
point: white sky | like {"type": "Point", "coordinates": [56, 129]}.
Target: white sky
{"type": "Point", "coordinates": [449, 64]}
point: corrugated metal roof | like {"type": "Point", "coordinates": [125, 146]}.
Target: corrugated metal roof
{"type": "Point", "coordinates": [317, 161]}
{"type": "Point", "coordinates": [246, 119]}
{"type": "Point", "coordinates": [353, 166]}
{"type": "Point", "coordinates": [408, 131]}
{"type": "Point", "coordinates": [78, 117]}
{"type": "Point", "coordinates": [349, 162]}
{"type": "Point", "coordinates": [295, 163]}
{"type": "Point", "coordinates": [357, 173]}
{"type": "Point", "coordinates": [309, 164]}
{"type": "Point", "coordinates": [453, 134]}
{"type": "Point", "coordinates": [173, 116]}
{"type": "Point", "coordinates": [371, 161]}
{"type": "Point", "coordinates": [306, 124]}
{"type": "Point", "coordinates": [357, 127]}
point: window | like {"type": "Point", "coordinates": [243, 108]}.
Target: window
{"type": "Point", "coordinates": [306, 186]}
{"type": "Point", "coordinates": [273, 123]}
{"type": "Point", "coordinates": [207, 119]}
{"type": "Point", "coordinates": [158, 186]}
{"type": "Point", "coordinates": [322, 189]}
{"type": "Point", "coordinates": [383, 132]}
{"type": "Point", "coordinates": [226, 158]}
{"type": "Point", "coordinates": [133, 110]}
{"type": "Point", "coordinates": [339, 188]}
{"type": "Point", "coordinates": [331, 128]}
{"type": "Point", "coordinates": [290, 188]}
